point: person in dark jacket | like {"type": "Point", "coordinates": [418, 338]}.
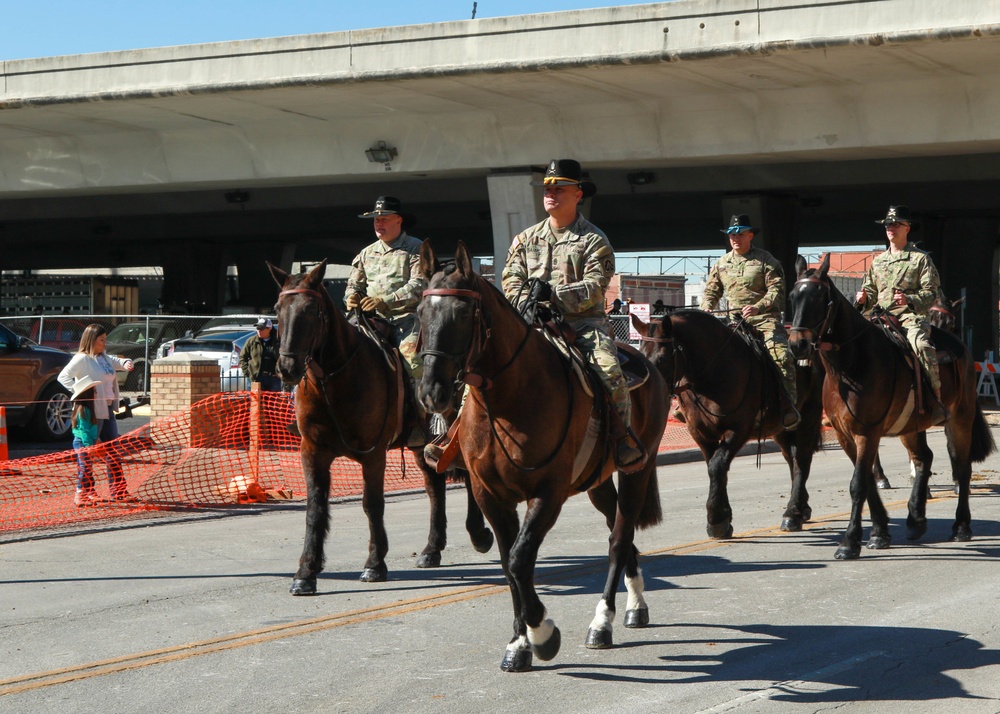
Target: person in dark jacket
{"type": "Point", "coordinates": [259, 357]}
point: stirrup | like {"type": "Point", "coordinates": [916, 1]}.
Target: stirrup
{"type": "Point", "coordinates": [790, 418]}
{"type": "Point", "coordinates": [630, 456]}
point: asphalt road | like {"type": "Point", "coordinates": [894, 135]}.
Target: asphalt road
{"type": "Point", "coordinates": [194, 615]}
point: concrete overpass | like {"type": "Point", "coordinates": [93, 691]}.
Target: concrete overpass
{"type": "Point", "coordinates": [811, 116]}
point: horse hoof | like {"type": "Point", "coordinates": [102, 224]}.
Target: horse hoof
{"type": "Point", "coordinates": [516, 660]}
{"type": "Point", "coordinates": [638, 617]}
{"type": "Point", "coordinates": [882, 484]}
{"type": "Point", "coordinates": [879, 542]}
{"type": "Point", "coordinates": [484, 542]}
{"type": "Point", "coordinates": [916, 531]}
{"type": "Point", "coordinates": [375, 575]}
{"type": "Point", "coordinates": [429, 560]}
{"type": "Point", "coordinates": [599, 639]}
{"type": "Point", "coordinates": [846, 552]}
{"type": "Point", "coordinates": [719, 530]}
{"type": "Point", "coordinates": [303, 586]}
{"type": "Point", "coordinates": [791, 525]}
{"type": "Point", "coordinates": [550, 648]}
{"type": "Point", "coordinates": [961, 534]}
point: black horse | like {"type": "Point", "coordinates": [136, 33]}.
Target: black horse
{"type": "Point", "coordinates": [350, 402]}
{"type": "Point", "coordinates": [729, 394]}
{"type": "Point", "coordinates": [869, 393]}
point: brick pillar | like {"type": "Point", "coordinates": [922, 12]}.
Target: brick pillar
{"type": "Point", "coordinates": [178, 381]}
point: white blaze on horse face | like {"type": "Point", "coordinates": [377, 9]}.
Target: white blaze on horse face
{"type": "Point", "coordinates": [603, 618]}
{"type": "Point", "coordinates": [541, 634]}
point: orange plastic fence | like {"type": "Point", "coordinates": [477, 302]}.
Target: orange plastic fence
{"type": "Point", "coordinates": [226, 449]}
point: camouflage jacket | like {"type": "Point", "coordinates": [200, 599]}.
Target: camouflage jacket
{"type": "Point", "coordinates": [754, 278]}
{"type": "Point", "coordinates": [389, 271]}
{"type": "Point", "coordinates": [910, 270]}
{"type": "Point", "coordinates": [578, 262]}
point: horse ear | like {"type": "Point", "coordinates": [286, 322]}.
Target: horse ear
{"type": "Point", "coordinates": [800, 267]}
{"type": "Point", "coordinates": [316, 275]}
{"type": "Point", "coordinates": [279, 275]}
{"type": "Point", "coordinates": [824, 267]}
{"type": "Point", "coordinates": [641, 327]}
{"type": "Point", "coordinates": [462, 260]}
{"type": "Point", "coordinates": [428, 261]}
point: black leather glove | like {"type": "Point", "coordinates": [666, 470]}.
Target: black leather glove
{"type": "Point", "coordinates": [541, 291]}
{"type": "Point", "coordinates": [542, 313]}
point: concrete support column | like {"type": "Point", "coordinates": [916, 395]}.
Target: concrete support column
{"type": "Point", "coordinates": [194, 276]}
{"type": "Point", "coordinates": [257, 289]}
{"type": "Point", "coordinates": [777, 219]}
{"type": "Point", "coordinates": [966, 252]}
{"type": "Point", "coordinates": [514, 205]}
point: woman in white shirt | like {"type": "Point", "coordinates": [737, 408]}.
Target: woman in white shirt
{"type": "Point", "coordinates": [93, 362]}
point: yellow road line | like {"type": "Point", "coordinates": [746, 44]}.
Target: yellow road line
{"type": "Point", "coordinates": [177, 653]}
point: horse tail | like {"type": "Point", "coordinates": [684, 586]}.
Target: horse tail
{"type": "Point", "coordinates": [982, 438]}
{"type": "Point", "coordinates": [651, 512]}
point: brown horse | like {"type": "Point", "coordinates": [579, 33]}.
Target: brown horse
{"type": "Point", "coordinates": [728, 392]}
{"type": "Point", "coordinates": [530, 431]}
{"type": "Point", "coordinates": [348, 403]}
{"type": "Point", "coordinates": [869, 393]}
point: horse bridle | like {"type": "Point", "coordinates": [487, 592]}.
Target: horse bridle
{"type": "Point", "coordinates": [480, 333]}
{"type": "Point", "coordinates": [819, 343]}
{"type": "Point", "coordinates": [306, 354]}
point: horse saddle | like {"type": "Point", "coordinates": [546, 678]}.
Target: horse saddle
{"type": "Point", "coordinates": [563, 337]}
{"type": "Point", "coordinates": [890, 324]}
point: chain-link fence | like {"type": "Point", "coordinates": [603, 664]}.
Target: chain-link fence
{"type": "Point", "coordinates": [145, 338]}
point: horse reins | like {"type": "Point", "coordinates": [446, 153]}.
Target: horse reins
{"type": "Point", "coordinates": [321, 378]}
{"type": "Point", "coordinates": [467, 376]}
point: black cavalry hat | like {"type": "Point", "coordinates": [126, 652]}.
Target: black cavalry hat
{"type": "Point", "coordinates": [738, 224]}
{"type": "Point", "coordinates": [899, 214]}
{"type": "Point", "coordinates": [567, 172]}
{"type": "Point", "coordinates": [384, 206]}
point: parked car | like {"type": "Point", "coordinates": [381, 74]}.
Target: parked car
{"type": "Point", "coordinates": [63, 333]}
{"type": "Point", "coordinates": [222, 346]}
{"type": "Point", "coordinates": [130, 340]}
{"type": "Point", "coordinates": [216, 325]}
{"type": "Point", "coordinates": [28, 387]}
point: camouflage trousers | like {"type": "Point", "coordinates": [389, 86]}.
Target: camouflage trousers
{"type": "Point", "coordinates": [776, 342]}
{"type": "Point", "coordinates": [596, 344]}
{"type": "Point", "coordinates": [918, 334]}
{"type": "Point", "coordinates": [405, 340]}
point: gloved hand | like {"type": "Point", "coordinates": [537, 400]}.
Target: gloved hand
{"type": "Point", "coordinates": [541, 291]}
{"type": "Point", "coordinates": [353, 301]}
{"type": "Point", "coordinates": [370, 304]}
{"type": "Point", "coordinates": [542, 313]}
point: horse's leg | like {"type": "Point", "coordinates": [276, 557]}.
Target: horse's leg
{"type": "Point", "coordinates": [798, 452]}
{"type": "Point", "coordinates": [316, 466]}
{"type": "Point", "coordinates": [503, 517]}
{"type": "Point", "coordinates": [475, 524]}
{"type": "Point", "coordinates": [720, 513]}
{"type": "Point", "coordinates": [921, 458]}
{"type": "Point", "coordinates": [879, 537]}
{"type": "Point", "coordinates": [373, 502]}
{"type": "Point", "coordinates": [622, 555]}
{"type": "Point", "coordinates": [437, 536]}
{"type": "Point", "coordinates": [959, 447]}
{"type": "Point", "coordinates": [881, 480]}
{"type": "Point", "coordinates": [862, 452]}
{"type": "Point", "coordinates": [540, 516]}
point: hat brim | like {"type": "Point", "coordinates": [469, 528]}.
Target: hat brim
{"type": "Point", "coordinates": [743, 229]}
{"type": "Point", "coordinates": [914, 225]}
{"type": "Point", "coordinates": [376, 214]}
{"type": "Point", "coordinates": [589, 188]}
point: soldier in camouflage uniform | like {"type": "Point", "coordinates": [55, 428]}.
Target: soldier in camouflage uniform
{"type": "Point", "coordinates": [385, 279]}
{"type": "Point", "coordinates": [754, 284]}
{"type": "Point", "coordinates": [575, 261]}
{"type": "Point", "coordinates": [904, 281]}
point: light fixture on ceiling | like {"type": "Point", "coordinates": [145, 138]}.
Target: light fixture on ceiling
{"type": "Point", "coordinates": [641, 178]}
{"type": "Point", "coordinates": [382, 154]}
{"type": "Point", "coordinates": [238, 196]}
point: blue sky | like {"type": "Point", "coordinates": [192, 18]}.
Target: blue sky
{"type": "Point", "coordinates": [44, 28]}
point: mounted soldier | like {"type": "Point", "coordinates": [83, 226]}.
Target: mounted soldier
{"type": "Point", "coordinates": [904, 282]}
